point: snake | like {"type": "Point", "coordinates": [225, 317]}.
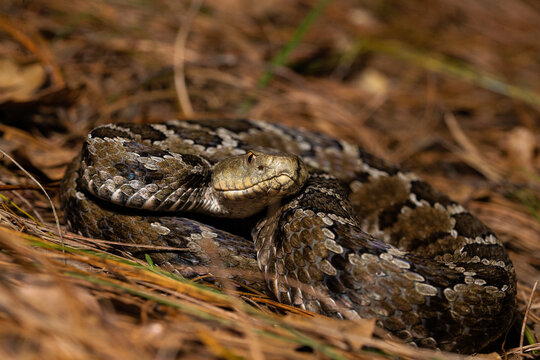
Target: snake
{"type": "Point", "coordinates": [334, 229]}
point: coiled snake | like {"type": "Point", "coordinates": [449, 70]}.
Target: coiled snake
{"type": "Point", "coordinates": [343, 233]}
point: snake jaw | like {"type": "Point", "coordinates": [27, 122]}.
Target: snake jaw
{"type": "Point", "coordinates": [269, 187]}
{"type": "Point", "coordinates": [259, 175]}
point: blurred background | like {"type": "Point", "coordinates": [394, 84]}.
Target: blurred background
{"type": "Point", "coordinates": [448, 89]}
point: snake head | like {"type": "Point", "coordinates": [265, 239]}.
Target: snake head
{"type": "Point", "coordinates": [263, 176]}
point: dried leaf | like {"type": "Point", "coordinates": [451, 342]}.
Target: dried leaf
{"type": "Point", "coordinates": [373, 82]}
{"type": "Point", "coordinates": [490, 356]}
{"type": "Point", "coordinates": [352, 332]}
{"type": "Point", "coordinates": [520, 145]}
{"type": "Point", "coordinates": [19, 83]}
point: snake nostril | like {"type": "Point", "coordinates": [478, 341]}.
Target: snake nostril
{"type": "Point", "coordinates": [261, 168]}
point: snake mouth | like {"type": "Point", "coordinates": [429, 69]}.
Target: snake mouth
{"type": "Point", "coordinates": [258, 177]}
{"type": "Point", "coordinates": [274, 186]}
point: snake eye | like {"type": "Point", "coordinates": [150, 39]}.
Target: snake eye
{"type": "Point", "coordinates": [250, 157]}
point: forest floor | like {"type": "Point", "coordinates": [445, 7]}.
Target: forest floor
{"type": "Point", "coordinates": [451, 92]}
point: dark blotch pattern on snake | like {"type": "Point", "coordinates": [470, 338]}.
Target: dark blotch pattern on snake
{"type": "Point", "coordinates": [354, 238]}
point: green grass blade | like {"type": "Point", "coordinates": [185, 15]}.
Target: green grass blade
{"type": "Point", "coordinates": [281, 58]}
{"type": "Point", "coordinates": [444, 65]}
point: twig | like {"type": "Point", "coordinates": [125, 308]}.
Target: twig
{"type": "Point", "coordinates": [470, 153]}
{"type": "Point", "coordinates": [25, 187]}
{"type": "Point", "coordinates": [42, 189]}
{"type": "Point", "coordinates": [41, 52]}
{"type": "Point", "coordinates": [529, 303]}
{"type": "Point", "coordinates": [179, 58]}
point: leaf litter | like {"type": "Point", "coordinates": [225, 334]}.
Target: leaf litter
{"type": "Point", "coordinates": [451, 93]}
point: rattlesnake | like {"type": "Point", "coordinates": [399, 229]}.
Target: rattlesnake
{"type": "Point", "coordinates": [351, 237]}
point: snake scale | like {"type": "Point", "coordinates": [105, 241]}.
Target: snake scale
{"type": "Point", "coordinates": [338, 231]}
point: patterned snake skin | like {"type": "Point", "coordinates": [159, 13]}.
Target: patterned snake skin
{"type": "Point", "coordinates": [369, 240]}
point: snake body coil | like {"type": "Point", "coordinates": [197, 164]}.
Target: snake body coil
{"type": "Point", "coordinates": [344, 235]}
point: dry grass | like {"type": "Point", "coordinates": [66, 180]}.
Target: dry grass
{"type": "Point", "coordinates": [451, 92]}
